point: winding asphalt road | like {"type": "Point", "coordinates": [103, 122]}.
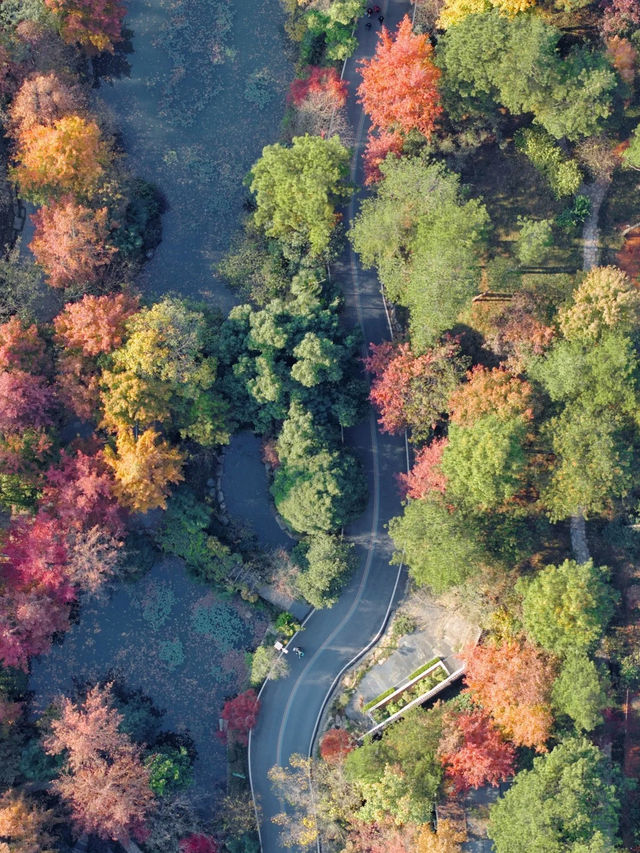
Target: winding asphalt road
{"type": "Point", "coordinates": [291, 707]}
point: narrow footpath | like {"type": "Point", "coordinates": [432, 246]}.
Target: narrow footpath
{"type": "Point", "coordinates": [292, 707]}
{"type": "Point", "coordinates": [590, 256]}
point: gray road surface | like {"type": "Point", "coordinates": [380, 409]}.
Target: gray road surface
{"type": "Point", "coordinates": [290, 707]}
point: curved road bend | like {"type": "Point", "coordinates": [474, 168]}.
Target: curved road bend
{"type": "Point", "coordinates": [290, 706]}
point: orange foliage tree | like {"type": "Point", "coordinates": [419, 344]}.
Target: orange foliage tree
{"type": "Point", "coordinates": [94, 24]}
{"type": "Point", "coordinates": [624, 57]}
{"type": "Point", "coordinates": [512, 681]}
{"type": "Point", "coordinates": [318, 79]}
{"type": "Point", "coordinates": [104, 781]}
{"type": "Point", "coordinates": [490, 392]}
{"type": "Point", "coordinates": [69, 156]}
{"type": "Point", "coordinates": [70, 242]}
{"type": "Point", "coordinates": [143, 468]}
{"type": "Point", "coordinates": [95, 324]}
{"type": "Point", "coordinates": [44, 99]}
{"type": "Point", "coordinates": [446, 839]}
{"type": "Point", "coordinates": [21, 347]}
{"type": "Point", "coordinates": [399, 89]}
{"type": "Point", "coordinates": [78, 385]}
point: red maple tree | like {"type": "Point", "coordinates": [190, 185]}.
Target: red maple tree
{"type": "Point", "coordinates": [318, 79]}
{"type": "Point", "coordinates": [399, 89]}
{"type": "Point", "coordinates": [198, 843]}
{"type": "Point", "coordinates": [474, 752]}
{"type": "Point", "coordinates": [241, 714]}
{"type": "Point", "coordinates": [335, 745]}
{"type": "Point", "coordinates": [425, 475]}
{"type": "Point", "coordinates": [411, 391]}
{"type": "Point", "coordinates": [379, 145]}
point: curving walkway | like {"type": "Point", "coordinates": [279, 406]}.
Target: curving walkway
{"type": "Point", "coordinates": [292, 707]}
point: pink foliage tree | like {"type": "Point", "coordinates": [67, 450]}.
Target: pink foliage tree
{"type": "Point", "coordinates": [28, 620]}
{"type": "Point", "coordinates": [25, 401]}
{"type": "Point", "coordinates": [79, 494]}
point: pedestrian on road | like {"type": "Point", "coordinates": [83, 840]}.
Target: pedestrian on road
{"type": "Point", "coordinates": [369, 11]}
{"type": "Point", "coordinates": [368, 25]}
{"type": "Point", "coordinates": [381, 18]}
{"type": "Point", "coordinates": [376, 10]}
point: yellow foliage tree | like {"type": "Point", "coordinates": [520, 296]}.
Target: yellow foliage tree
{"type": "Point", "coordinates": [69, 156]}
{"type": "Point", "coordinates": [23, 825]}
{"type": "Point", "coordinates": [143, 468]}
{"type": "Point", "coordinates": [446, 840]}
{"type": "Point", "coordinates": [455, 11]}
{"type": "Point", "coordinates": [131, 400]}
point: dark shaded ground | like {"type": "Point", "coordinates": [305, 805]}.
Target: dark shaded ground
{"type": "Point", "coordinates": [194, 118]}
{"type": "Point", "coordinates": [246, 491]}
{"type": "Point", "coordinates": [140, 634]}
{"type": "Point", "coordinates": [203, 93]}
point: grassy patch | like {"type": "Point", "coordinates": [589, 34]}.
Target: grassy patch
{"type": "Point", "coordinates": [414, 692]}
{"type": "Point", "coordinates": [423, 668]}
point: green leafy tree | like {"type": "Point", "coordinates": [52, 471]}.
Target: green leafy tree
{"type": "Point", "coordinates": [579, 692]}
{"type": "Point", "coordinates": [266, 662]}
{"type": "Point", "coordinates": [425, 239]}
{"type": "Point", "coordinates": [488, 58]}
{"type": "Point", "coordinates": [594, 463]}
{"type": "Point", "coordinates": [534, 241]}
{"type": "Point", "coordinates": [297, 188]}
{"type": "Point", "coordinates": [485, 462]}
{"type": "Point", "coordinates": [567, 607]}
{"type": "Point", "coordinates": [440, 546]}
{"type": "Point", "coordinates": [327, 565]}
{"type": "Point", "coordinates": [593, 436]}
{"type": "Point", "coordinates": [169, 770]}
{"type": "Point", "coordinates": [547, 156]}
{"type": "Point", "coordinates": [631, 156]}
{"type": "Point", "coordinates": [321, 495]}
{"type": "Point", "coordinates": [565, 804]}
{"type": "Point", "coordinates": [411, 745]}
